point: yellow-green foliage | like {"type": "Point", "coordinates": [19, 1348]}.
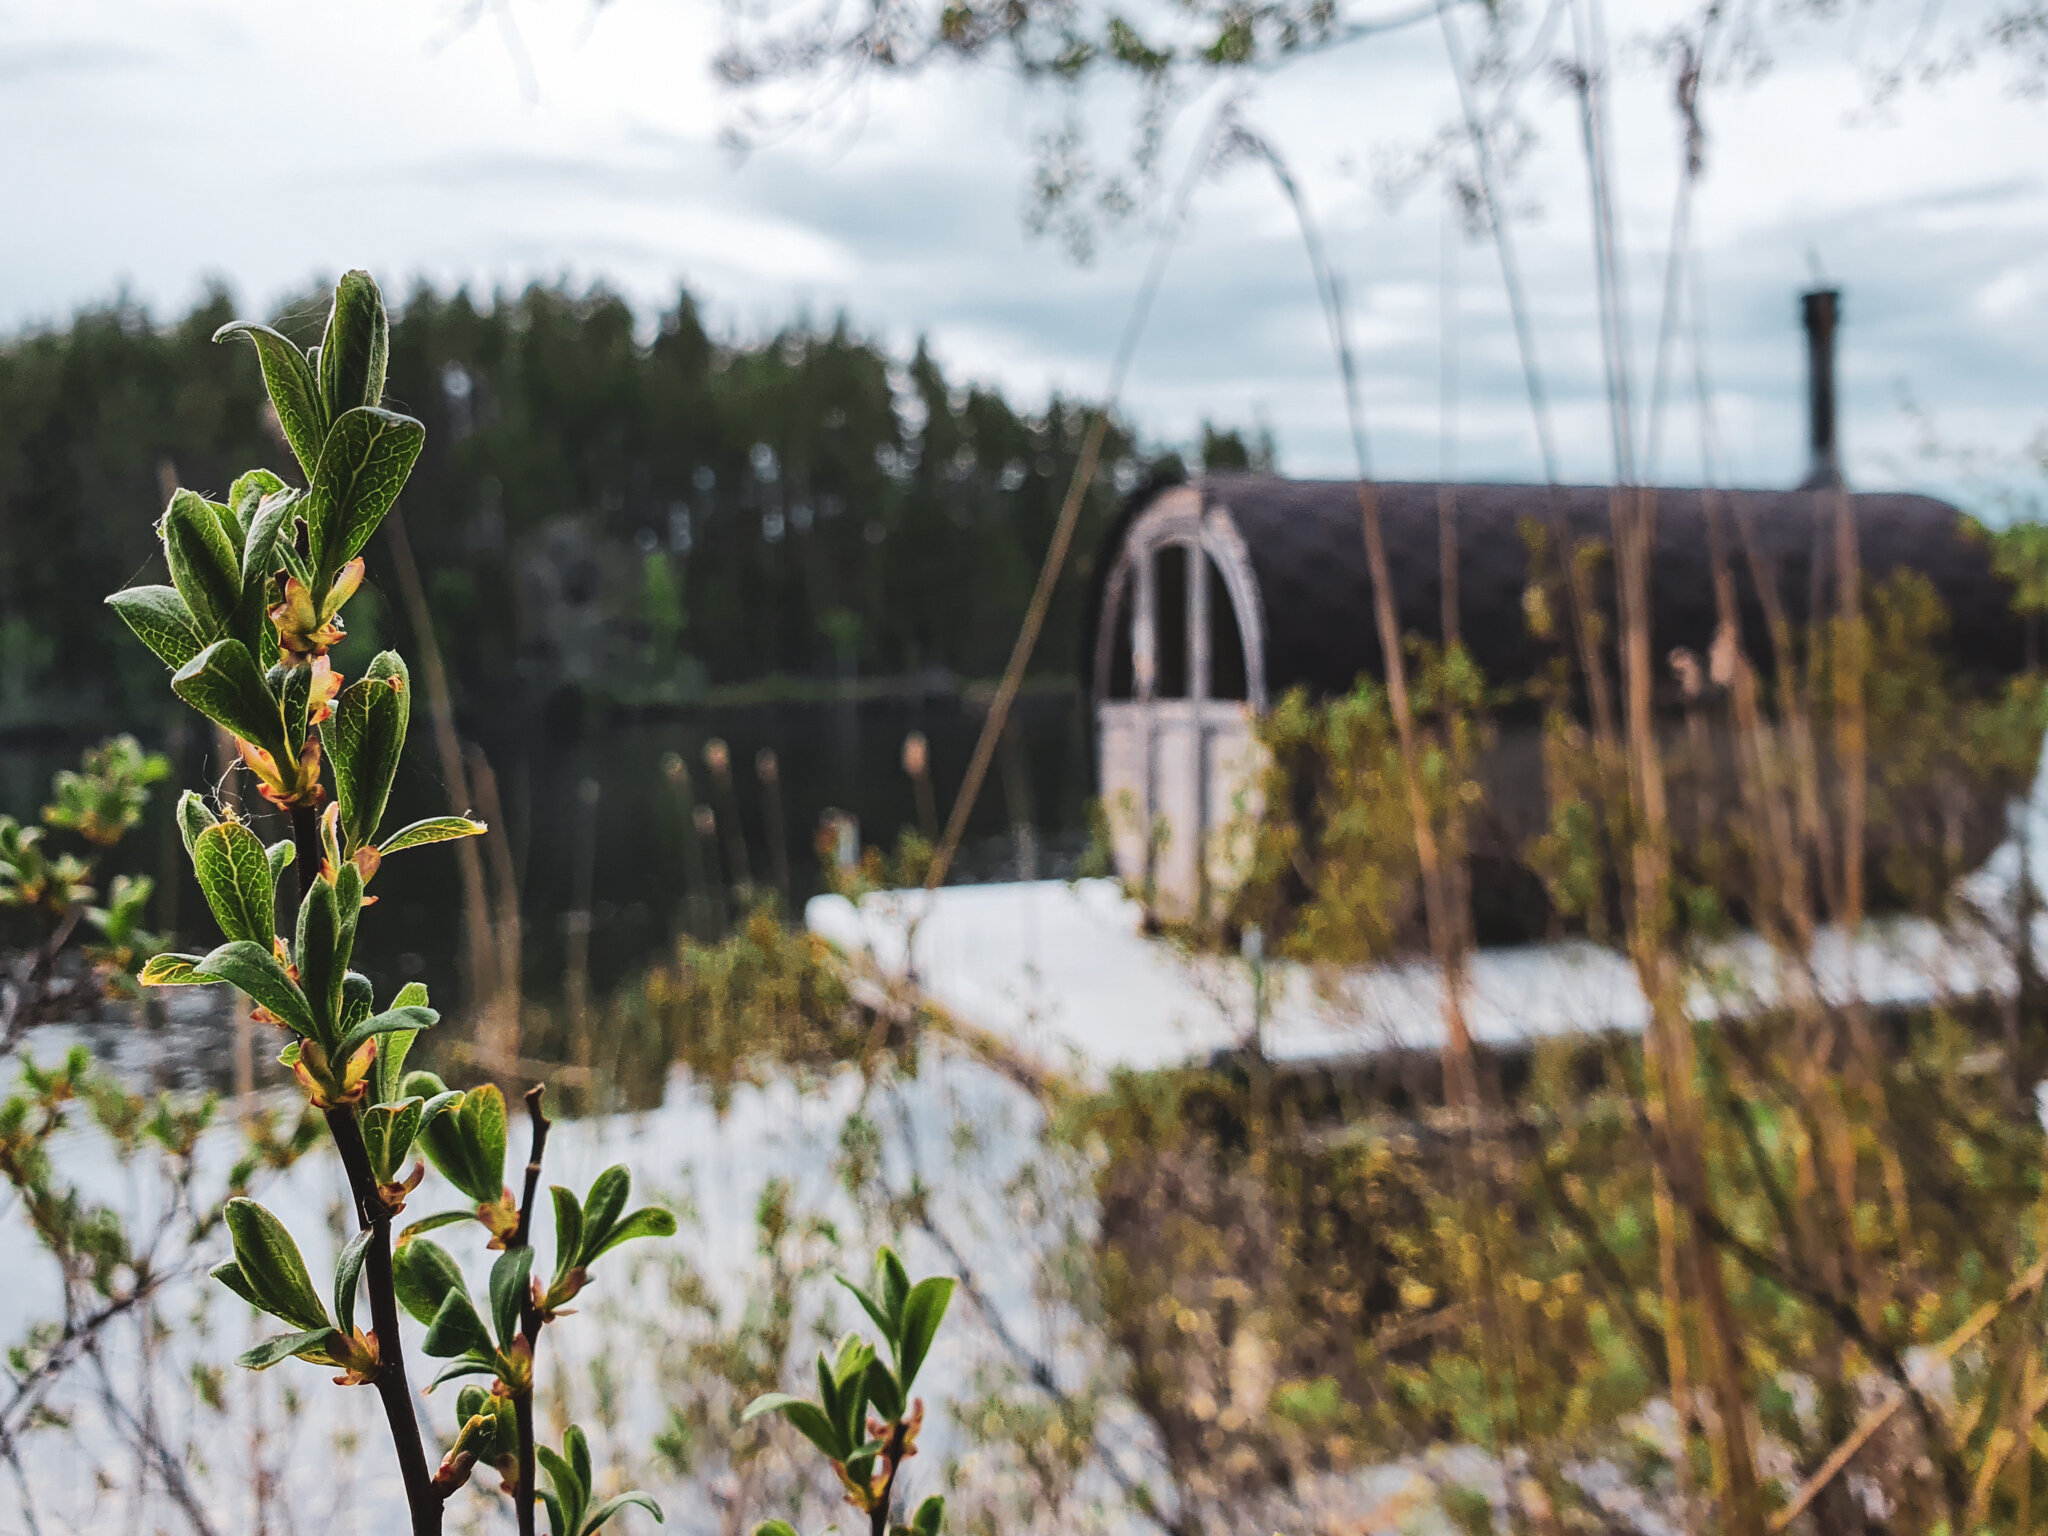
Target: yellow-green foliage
{"type": "Point", "coordinates": [763, 999]}
{"type": "Point", "coordinates": [1311, 1290]}
{"type": "Point", "coordinates": [1333, 873]}
{"type": "Point", "coordinates": [1333, 866]}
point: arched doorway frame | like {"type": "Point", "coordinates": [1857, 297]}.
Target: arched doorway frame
{"type": "Point", "coordinates": [1182, 517]}
{"type": "Point", "coordinates": [1185, 766]}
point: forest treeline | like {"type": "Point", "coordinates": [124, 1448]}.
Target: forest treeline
{"type": "Point", "coordinates": [639, 518]}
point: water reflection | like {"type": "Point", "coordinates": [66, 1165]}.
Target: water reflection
{"type": "Point", "coordinates": [597, 820]}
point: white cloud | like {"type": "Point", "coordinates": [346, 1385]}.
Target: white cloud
{"type": "Point", "coordinates": [155, 142]}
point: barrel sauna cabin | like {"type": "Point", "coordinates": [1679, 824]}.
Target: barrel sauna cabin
{"type": "Point", "coordinates": [1215, 596]}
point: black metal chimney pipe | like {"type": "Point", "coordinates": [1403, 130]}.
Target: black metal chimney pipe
{"type": "Point", "coordinates": [1822, 310]}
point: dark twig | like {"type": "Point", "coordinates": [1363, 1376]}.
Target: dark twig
{"type": "Point", "coordinates": [530, 1319]}
{"type": "Point", "coordinates": [1035, 1366]}
{"type": "Point", "coordinates": [150, 1448]}
{"type": "Point", "coordinates": [1845, 1317]}
{"type": "Point", "coordinates": [422, 1499]}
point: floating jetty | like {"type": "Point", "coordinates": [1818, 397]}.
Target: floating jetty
{"type": "Point", "coordinates": [1065, 978]}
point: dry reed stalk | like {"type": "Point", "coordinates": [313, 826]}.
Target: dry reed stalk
{"type": "Point", "coordinates": [1020, 653]}
{"type": "Point", "coordinates": [917, 766]}
{"type": "Point", "coordinates": [696, 898]}
{"type": "Point", "coordinates": [503, 1024]}
{"type": "Point", "coordinates": [739, 867]}
{"type": "Point", "coordinates": [576, 978]}
{"type": "Point", "coordinates": [1447, 563]}
{"type": "Point", "coordinates": [1677, 1358]}
{"type": "Point", "coordinates": [1668, 1043]}
{"type": "Point", "coordinates": [2032, 1400]}
{"type": "Point", "coordinates": [1461, 1080]}
{"type": "Point", "coordinates": [1881, 1415]}
{"type": "Point", "coordinates": [478, 956]}
{"type": "Point", "coordinates": [1070, 509]}
{"type": "Point", "coordinates": [1498, 1323]}
{"type": "Point", "coordinates": [1802, 839]}
{"type": "Point", "coordinates": [768, 771]}
{"type": "Point", "coordinates": [1852, 674]}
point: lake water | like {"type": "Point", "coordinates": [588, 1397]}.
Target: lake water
{"type": "Point", "coordinates": [626, 845]}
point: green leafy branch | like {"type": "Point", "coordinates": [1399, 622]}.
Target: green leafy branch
{"type": "Point", "coordinates": [865, 1420]}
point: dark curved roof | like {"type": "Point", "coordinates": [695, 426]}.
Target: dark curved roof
{"type": "Point", "coordinates": [1307, 547]}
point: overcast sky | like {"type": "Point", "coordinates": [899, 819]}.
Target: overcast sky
{"type": "Point", "coordinates": [151, 144]}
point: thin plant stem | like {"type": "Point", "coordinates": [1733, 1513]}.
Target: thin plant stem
{"type": "Point", "coordinates": [476, 913]}
{"type": "Point", "coordinates": [1481, 140]}
{"type": "Point", "coordinates": [1070, 513]}
{"type": "Point", "coordinates": [530, 1319]}
{"type": "Point", "coordinates": [422, 1500]}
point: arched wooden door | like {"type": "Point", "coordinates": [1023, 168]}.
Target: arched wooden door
{"type": "Point", "coordinates": [1180, 675]}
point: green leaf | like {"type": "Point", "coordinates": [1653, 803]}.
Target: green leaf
{"type": "Point", "coordinates": [883, 1391]}
{"type": "Point", "coordinates": [568, 1230]}
{"type": "Point", "coordinates": [850, 1380]}
{"type": "Point", "coordinates": [808, 1418]}
{"type": "Point", "coordinates": [613, 1505]}
{"type": "Point", "coordinates": [435, 829]}
{"type": "Point", "coordinates": [776, 1528]}
{"type": "Point", "coordinates": [363, 466]}
{"type": "Point", "coordinates": [314, 1341]}
{"type": "Point", "coordinates": [855, 1353]}
{"type": "Point", "coordinates": [648, 1221]}
{"type": "Point", "coordinates": [923, 1311]}
{"type": "Point", "coordinates": [466, 1365]}
{"type": "Point", "coordinates": [194, 817]}
{"type": "Point", "coordinates": [509, 1277]}
{"type": "Point", "coordinates": [768, 1402]}
{"type": "Point", "coordinates": [468, 1146]}
{"type": "Point", "coordinates": [321, 960]}
{"type": "Point", "coordinates": [294, 689]}
{"type": "Point", "coordinates": [222, 682]}
{"type": "Point", "coordinates": [931, 1514]}
{"type": "Point", "coordinates": [245, 496]}
{"type": "Point", "coordinates": [453, 1328]}
{"type": "Point", "coordinates": [234, 876]}
{"type": "Point", "coordinates": [348, 1270]}
{"type": "Point", "coordinates": [175, 971]}
{"type": "Point", "coordinates": [570, 1493]}
{"type": "Point", "coordinates": [390, 1072]}
{"type": "Point", "coordinates": [895, 1286]}
{"type": "Point", "coordinates": [294, 391]}
{"type": "Point", "coordinates": [364, 738]}
{"type": "Point", "coordinates": [433, 1223]}
{"type": "Point", "coordinates": [254, 969]}
{"type": "Point", "coordinates": [578, 1447]}
{"type": "Point", "coordinates": [388, 1134]}
{"type": "Point", "coordinates": [387, 1022]}
{"type": "Point", "coordinates": [269, 524]}
{"type": "Point", "coordinates": [356, 996]}
{"type": "Point", "coordinates": [206, 567]}
{"type": "Point", "coordinates": [873, 1308]}
{"type": "Point", "coordinates": [279, 855]}
{"type": "Point", "coordinates": [601, 1207]}
{"type": "Point", "coordinates": [161, 621]}
{"type": "Point", "coordinates": [269, 1261]}
{"type": "Point", "coordinates": [355, 346]}
{"type": "Point", "coordinates": [348, 903]}
{"type": "Point", "coordinates": [423, 1276]}
{"type": "Point", "coordinates": [230, 1275]}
